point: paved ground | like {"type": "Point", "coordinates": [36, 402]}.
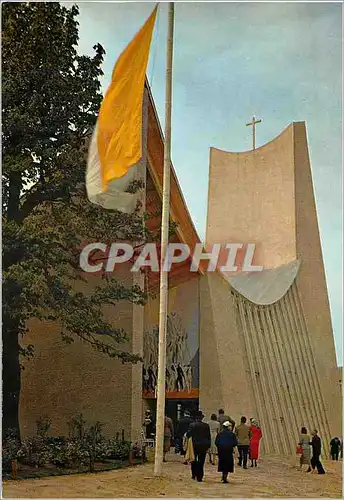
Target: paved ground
{"type": "Point", "coordinates": [272, 478]}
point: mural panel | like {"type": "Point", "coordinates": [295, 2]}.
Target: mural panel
{"type": "Point", "coordinates": [182, 342]}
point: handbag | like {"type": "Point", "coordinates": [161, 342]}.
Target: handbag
{"type": "Point", "coordinates": [190, 455]}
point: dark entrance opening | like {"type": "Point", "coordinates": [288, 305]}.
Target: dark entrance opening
{"type": "Point", "coordinates": [174, 408]}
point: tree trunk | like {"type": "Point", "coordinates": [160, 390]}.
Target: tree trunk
{"type": "Point", "coordinates": [11, 327]}
{"type": "Point", "coordinates": [10, 379]}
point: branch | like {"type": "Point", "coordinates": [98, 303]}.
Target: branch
{"type": "Point", "coordinates": [42, 193]}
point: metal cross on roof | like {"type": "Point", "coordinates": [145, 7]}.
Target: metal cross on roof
{"type": "Point", "coordinates": [253, 125]}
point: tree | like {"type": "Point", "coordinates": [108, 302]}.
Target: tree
{"type": "Point", "coordinates": [50, 98]}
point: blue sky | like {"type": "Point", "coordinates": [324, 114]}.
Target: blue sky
{"type": "Point", "coordinates": [279, 61]}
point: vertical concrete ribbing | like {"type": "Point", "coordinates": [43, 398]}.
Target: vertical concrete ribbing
{"type": "Point", "coordinates": [293, 423]}
{"type": "Point", "coordinates": [310, 358]}
{"type": "Point", "coordinates": [296, 361]}
{"type": "Point", "coordinates": [274, 348]}
{"type": "Point", "coordinates": [281, 382]}
{"type": "Point", "coordinates": [301, 414]}
{"type": "Point", "coordinates": [302, 360]}
{"type": "Point", "coordinates": [261, 380]}
{"type": "Point", "coordinates": [273, 379]}
{"type": "Point", "coordinates": [242, 322]}
{"type": "Point", "coordinates": [267, 375]}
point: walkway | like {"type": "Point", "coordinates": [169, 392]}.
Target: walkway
{"type": "Point", "coordinates": [273, 478]}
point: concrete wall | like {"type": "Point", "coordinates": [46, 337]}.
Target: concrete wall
{"type": "Point", "coordinates": [64, 380]}
{"type": "Point", "coordinates": [224, 371]}
{"type": "Point", "coordinates": [311, 282]}
{"type": "Point", "coordinates": [266, 197]}
{"type": "Point", "coordinates": [251, 200]}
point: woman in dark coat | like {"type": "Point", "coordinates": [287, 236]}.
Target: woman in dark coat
{"type": "Point", "coordinates": [225, 442]}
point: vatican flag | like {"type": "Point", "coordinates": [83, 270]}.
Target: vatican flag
{"type": "Point", "coordinates": [115, 146]}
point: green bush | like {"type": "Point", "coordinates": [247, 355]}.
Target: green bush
{"type": "Point", "coordinates": [10, 448]}
{"type": "Point", "coordinates": [43, 425]}
{"type": "Point", "coordinates": [119, 450]}
{"type": "Point", "coordinates": [84, 446]}
{"type": "Point", "coordinates": [35, 452]}
{"type": "Point", "coordinates": [72, 454]}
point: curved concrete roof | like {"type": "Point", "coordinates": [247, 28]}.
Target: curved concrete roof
{"type": "Point", "coordinates": [259, 149]}
{"type": "Point", "coordinates": [267, 286]}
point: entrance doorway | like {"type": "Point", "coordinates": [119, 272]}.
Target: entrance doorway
{"type": "Point", "coordinates": [174, 408]}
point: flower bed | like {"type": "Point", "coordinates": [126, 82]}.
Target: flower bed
{"type": "Point", "coordinates": [84, 450]}
{"type": "Point", "coordinates": [29, 472]}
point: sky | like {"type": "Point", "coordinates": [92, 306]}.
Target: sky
{"type": "Point", "coordinates": [278, 61]}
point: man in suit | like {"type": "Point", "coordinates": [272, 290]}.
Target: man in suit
{"type": "Point", "coordinates": [222, 418]}
{"type": "Point", "coordinates": [335, 445]}
{"type": "Point", "coordinates": [149, 425]}
{"type": "Point", "coordinates": [199, 432]}
{"type": "Point", "coordinates": [182, 428]}
{"type": "Point", "coordinates": [243, 434]}
{"type": "Point", "coordinates": [168, 435]}
{"type": "Point", "coordinates": [315, 460]}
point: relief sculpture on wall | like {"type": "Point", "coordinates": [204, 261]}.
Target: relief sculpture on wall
{"type": "Point", "coordinates": [181, 353]}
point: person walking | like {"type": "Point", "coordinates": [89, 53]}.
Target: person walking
{"type": "Point", "coordinates": [243, 435]}
{"type": "Point", "coordinates": [168, 435]}
{"type": "Point", "coordinates": [149, 425]}
{"type": "Point", "coordinates": [225, 442]}
{"type": "Point", "coordinates": [335, 446]}
{"type": "Point", "coordinates": [215, 426]}
{"type": "Point", "coordinates": [199, 432]}
{"type": "Point", "coordinates": [256, 435]}
{"type": "Point", "coordinates": [224, 418]}
{"type": "Point", "coordinates": [182, 428]}
{"type": "Point", "coordinates": [304, 442]}
{"type": "Point", "coordinates": [316, 448]}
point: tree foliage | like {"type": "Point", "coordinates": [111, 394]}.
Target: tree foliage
{"type": "Point", "coordinates": [50, 99]}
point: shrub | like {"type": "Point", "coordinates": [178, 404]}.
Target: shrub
{"type": "Point", "coordinates": [84, 446]}
{"type": "Point", "coordinates": [10, 448]}
{"type": "Point", "coordinates": [72, 454]}
{"type": "Point", "coordinates": [43, 425]}
{"type": "Point", "coordinates": [119, 449]}
{"type": "Point", "coordinates": [35, 452]}
{"type": "Point", "coordinates": [77, 426]}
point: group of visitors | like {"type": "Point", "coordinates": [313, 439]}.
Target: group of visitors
{"type": "Point", "coordinates": [309, 448]}
{"type": "Point", "coordinates": [219, 437]}
{"type": "Point", "coordinates": [194, 439]}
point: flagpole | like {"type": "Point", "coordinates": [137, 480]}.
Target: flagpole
{"type": "Point", "coordinates": [160, 414]}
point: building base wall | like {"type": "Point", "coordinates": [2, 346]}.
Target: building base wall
{"type": "Point", "coordinates": [63, 380]}
{"type": "Point", "coordinates": [224, 375]}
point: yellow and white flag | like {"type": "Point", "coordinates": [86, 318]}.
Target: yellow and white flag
{"type": "Point", "coordinates": [116, 146]}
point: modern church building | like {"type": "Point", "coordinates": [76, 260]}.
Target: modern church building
{"type": "Point", "coordinates": [258, 344]}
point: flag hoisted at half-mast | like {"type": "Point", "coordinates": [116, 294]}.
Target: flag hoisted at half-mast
{"type": "Point", "coordinates": [115, 146]}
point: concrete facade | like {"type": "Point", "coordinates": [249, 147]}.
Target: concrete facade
{"type": "Point", "coordinates": [311, 283]}
{"type": "Point", "coordinates": [64, 380]}
{"type": "Point", "coordinates": [252, 200]}
{"type": "Point", "coordinates": [224, 372]}
{"type": "Point", "coordinates": [290, 372]}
